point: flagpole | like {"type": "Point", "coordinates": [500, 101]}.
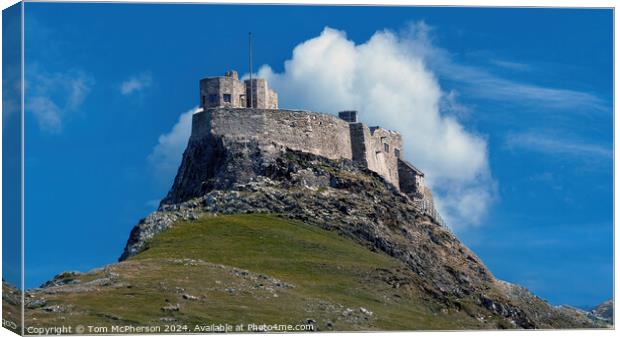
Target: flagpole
{"type": "Point", "coordinates": [251, 105]}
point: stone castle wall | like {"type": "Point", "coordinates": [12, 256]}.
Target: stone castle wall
{"type": "Point", "coordinates": [310, 132]}
{"type": "Point", "coordinates": [359, 133]}
{"type": "Point", "coordinates": [316, 133]}
{"type": "Point", "coordinates": [385, 149]}
{"type": "Point", "coordinates": [378, 148]}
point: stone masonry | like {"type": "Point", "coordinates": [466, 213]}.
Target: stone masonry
{"type": "Point", "coordinates": [229, 91]}
{"type": "Point", "coordinates": [315, 133]}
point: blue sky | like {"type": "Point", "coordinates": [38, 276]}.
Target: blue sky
{"type": "Point", "coordinates": [528, 93]}
{"type": "Point", "coordinates": [11, 146]}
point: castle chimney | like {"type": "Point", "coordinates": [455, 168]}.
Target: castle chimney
{"type": "Point", "coordinates": [232, 73]}
{"type": "Point", "coordinates": [348, 115]}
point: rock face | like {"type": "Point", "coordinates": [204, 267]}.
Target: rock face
{"type": "Point", "coordinates": [605, 310]}
{"type": "Point", "coordinates": [226, 176]}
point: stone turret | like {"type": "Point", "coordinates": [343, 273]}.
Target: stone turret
{"type": "Point", "coordinates": [262, 96]}
{"type": "Point", "coordinates": [229, 92]}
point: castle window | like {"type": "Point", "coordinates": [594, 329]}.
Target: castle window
{"type": "Point", "coordinates": [397, 153]}
{"type": "Point", "coordinates": [203, 100]}
{"type": "Point", "coordinates": [386, 147]}
{"type": "Point", "coordinates": [212, 98]}
{"type": "Point", "coordinates": [227, 98]}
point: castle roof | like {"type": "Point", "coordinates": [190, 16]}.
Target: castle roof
{"type": "Point", "coordinates": [415, 169]}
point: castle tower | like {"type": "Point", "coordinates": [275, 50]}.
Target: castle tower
{"type": "Point", "coordinates": [229, 92]}
{"type": "Point", "coordinates": [262, 96]}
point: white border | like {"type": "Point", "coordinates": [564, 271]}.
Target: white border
{"type": "Point", "coordinates": [468, 3]}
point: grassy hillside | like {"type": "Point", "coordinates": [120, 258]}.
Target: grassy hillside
{"type": "Point", "coordinates": [242, 269]}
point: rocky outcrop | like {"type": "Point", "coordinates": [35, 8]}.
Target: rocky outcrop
{"type": "Point", "coordinates": [228, 177]}
{"type": "Point", "coordinates": [605, 311]}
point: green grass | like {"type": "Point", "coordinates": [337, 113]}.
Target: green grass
{"type": "Point", "coordinates": [329, 274]}
{"type": "Point", "coordinates": [268, 244]}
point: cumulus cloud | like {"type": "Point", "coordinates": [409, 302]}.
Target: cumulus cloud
{"type": "Point", "coordinates": [167, 154]}
{"type": "Point", "coordinates": [136, 83]}
{"type": "Point", "coordinates": [54, 97]}
{"type": "Point", "coordinates": [388, 81]}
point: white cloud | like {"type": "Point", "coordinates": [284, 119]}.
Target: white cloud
{"type": "Point", "coordinates": [136, 83]}
{"type": "Point", "coordinates": [46, 112]}
{"type": "Point", "coordinates": [11, 84]}
{"type": "Point", "coordinates": [167, 154]}
{"type": "Point", "coordinates": [54, 97]}
{"type": "Point", "coordinates": [481, 83]}
{"type": "Point", "coordinates": [545, 142]}
{"type": "Point", "coordinates": [449, 104]}
{"type": "Point", "coordinates": [388, 81]}
{"type": "Point", "coordinates": [511, 65]}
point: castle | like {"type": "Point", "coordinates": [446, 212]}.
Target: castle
{"type": "Point", "coordinates": [240, 111]}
